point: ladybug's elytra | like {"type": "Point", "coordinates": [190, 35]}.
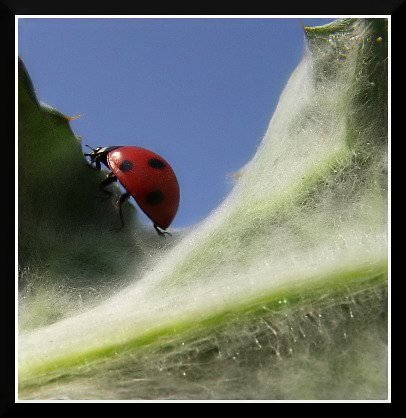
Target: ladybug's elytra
{"type": "Point", "coordinates": [146, 176]}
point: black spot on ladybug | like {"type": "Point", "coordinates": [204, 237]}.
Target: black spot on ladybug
{"type": "Point", "coordinates": [126, 165]}
{"type": "Point", "coordinates": [155, 197]}
{"type": "Point", "coordinates": [156, 163]}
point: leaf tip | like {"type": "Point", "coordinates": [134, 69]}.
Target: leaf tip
{"type": "Point", "coordinates": [71, 118]}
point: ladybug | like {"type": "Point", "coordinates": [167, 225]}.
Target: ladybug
{"type": "Point", "coordinates": [145, 176]}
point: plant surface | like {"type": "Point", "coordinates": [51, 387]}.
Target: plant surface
{"type": "Point", "coordinates": [281, 293]}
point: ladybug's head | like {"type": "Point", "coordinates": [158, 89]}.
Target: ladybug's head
{"type": "Point", "coordinates": [99, 154]}
{"type": "Point", "coordinates": [96, 153]}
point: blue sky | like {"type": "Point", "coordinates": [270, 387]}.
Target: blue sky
{"type": "Point", "coordinates": [199, 91]}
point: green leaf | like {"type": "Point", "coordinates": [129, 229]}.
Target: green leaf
{"type": "Point", "coordinates": [280, 293]}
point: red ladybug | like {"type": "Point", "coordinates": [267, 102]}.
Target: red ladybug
{"type": "Point", "coordinates": [146, 176]}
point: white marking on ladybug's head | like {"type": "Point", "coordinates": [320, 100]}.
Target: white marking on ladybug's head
{"type": "Point", "coordinates": [97, 150]}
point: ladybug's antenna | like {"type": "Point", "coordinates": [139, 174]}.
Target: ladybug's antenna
{"type": "Point", "coordinates": [90, 147]}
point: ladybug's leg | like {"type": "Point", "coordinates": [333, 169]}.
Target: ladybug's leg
{"type": "Point", "coordinates": [160, 232]}
{"type": "Point", "coordinates": [120, 201]}
{"type": "Point", "coordinates": [111, 178]}
{"type": "Point", "coordinates": [97, 163]}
